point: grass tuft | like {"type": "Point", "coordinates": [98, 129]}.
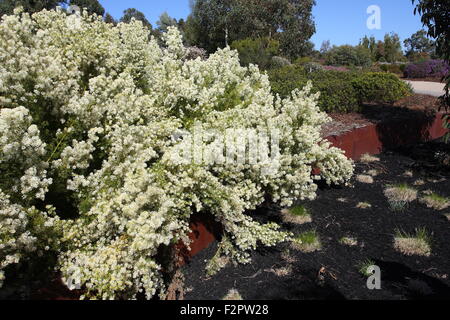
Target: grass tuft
{"type": "Point", "coordinates": [417, 244]}
{"type": "Point", "coordinates": [364, 265]}
{"type": "Point", "coordinates": [399, 195]}
{"type": "Point", "coordinates": [298, 215]}
{"type": "Point", "coordinates": [307, 242]}
{"type": "Point", "coordinates": [435, 201]}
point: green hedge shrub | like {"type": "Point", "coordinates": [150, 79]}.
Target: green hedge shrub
{"type": "Point", "coordinates": [302, 60]}
{"type": "Point", "coordinates": [348, 56]}
{"type": "Point", "coordinates": [393, 68]}
{"type": "Point", "coordinates": [340, 91]}
{"type": "Point", "coordinates": [380, 87]}
{"type": "Point", "coordinates": [337, 92]}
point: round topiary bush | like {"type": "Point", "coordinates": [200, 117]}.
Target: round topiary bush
{"type": "Point", "coordinates": [90, 166]}
{"type": "Point", "coordinates": [380, 87]}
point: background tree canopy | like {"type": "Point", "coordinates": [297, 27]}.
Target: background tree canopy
{"type": "Point", "coordinates": [419, 43]}
{"type": "Point", "coordinates": [217, 23]}
{"type": "Point", "coordinates": [92, 6]}
{"type": "Point", "coordinates": [7, 6]}
{"type": "Point", "coordinates": [131, 13]}
{"type": "Point", "coordinates": [31, 6]}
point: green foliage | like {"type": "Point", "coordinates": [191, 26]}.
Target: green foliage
{"type": "Point", "coordinates": [92, 6]}
{"type": "Point", "coordinates": [110, 19]}
{"type": "Point", "coordinates": [349, 56]}
{"type": "Point", "coordinates": [419, 43]}
{"type": "Point", "coordinates": [393, 68]}
{"type": "Point", "coordinates": [302, 60]}
{"type": "Point", "coordinates": [392, 48]}
{"type": "Point", "coordinates": [131, 13]}
{"type": "Point", "coordinates": [337, 92]}
{"type": "Point", "coordinates": [340, 91]}
{"type": "Point", "coordinates": [258, 51]}
{"type": "Point", "coordinates": [380, 87]}
{"type": "Point", "coordinates": [299, 211]}
{"type": "Point", "coordinates": [31, 6]}
{"type": "Point", "coordinates": [388, 50]}
{"type": "Point", "coordinates": [165, 21]}
{"type": "Point", "coordinates": [217, 23]}
{"type": "Point", "coordinates": [308, 237]}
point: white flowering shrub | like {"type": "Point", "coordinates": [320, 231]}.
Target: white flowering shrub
{"type": "Point", "coordinates": [25, 232]}
{"type": "Point", "coordinates": [88, 112]}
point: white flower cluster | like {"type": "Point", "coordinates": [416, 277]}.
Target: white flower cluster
{"type": "Point", "coordinates": [15, 239]}
{"type": "Point", "coordinates": [22, 148]}
{"type": "Point", "coordinates": [107, 102]}
{"type": "Point", "coordinates": [23, 231]}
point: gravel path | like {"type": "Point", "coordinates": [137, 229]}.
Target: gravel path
{"type": "Point", "coordinates": [431, 88]}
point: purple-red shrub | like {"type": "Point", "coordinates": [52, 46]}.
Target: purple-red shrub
{"type": "Point", "coordinates": [430, 68]}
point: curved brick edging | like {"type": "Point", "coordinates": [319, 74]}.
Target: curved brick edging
{"type": "Point", "coordinates": [371, 139]}
{"type": "Point", "coordinates": [375, 138]}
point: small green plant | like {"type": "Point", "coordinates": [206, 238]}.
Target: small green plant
{"type": "Point", "coordinates": [298, 214]}
{"type": "Point", "coordinates": [363, 267]}
{"type": "Point", "coordinates": [435, 201]}
{"type": "Point", "coordinates": [307, 241]}
{"type": "Point", "coordinates": [299, 211]}
{"type": "Point", "coordinates": [418, 243]}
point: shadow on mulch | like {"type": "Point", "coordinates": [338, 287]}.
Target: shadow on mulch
{"type": "Point", "coordinates": [333, 273]}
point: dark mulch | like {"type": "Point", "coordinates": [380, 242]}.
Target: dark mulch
{"type": "Point", "coordinates": [332, 273]}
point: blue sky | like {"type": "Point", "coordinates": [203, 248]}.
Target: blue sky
{"type": "Point", "coordinates": [340, 21]}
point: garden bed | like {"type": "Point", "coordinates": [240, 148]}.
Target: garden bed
{"type": "Point", "coordinates": [377, 127]}
{"type": "Point", "coordinates": [333, 272]}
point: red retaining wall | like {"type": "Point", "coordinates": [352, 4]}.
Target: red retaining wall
{"type": "Point", "coordinates": [374, 138]}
